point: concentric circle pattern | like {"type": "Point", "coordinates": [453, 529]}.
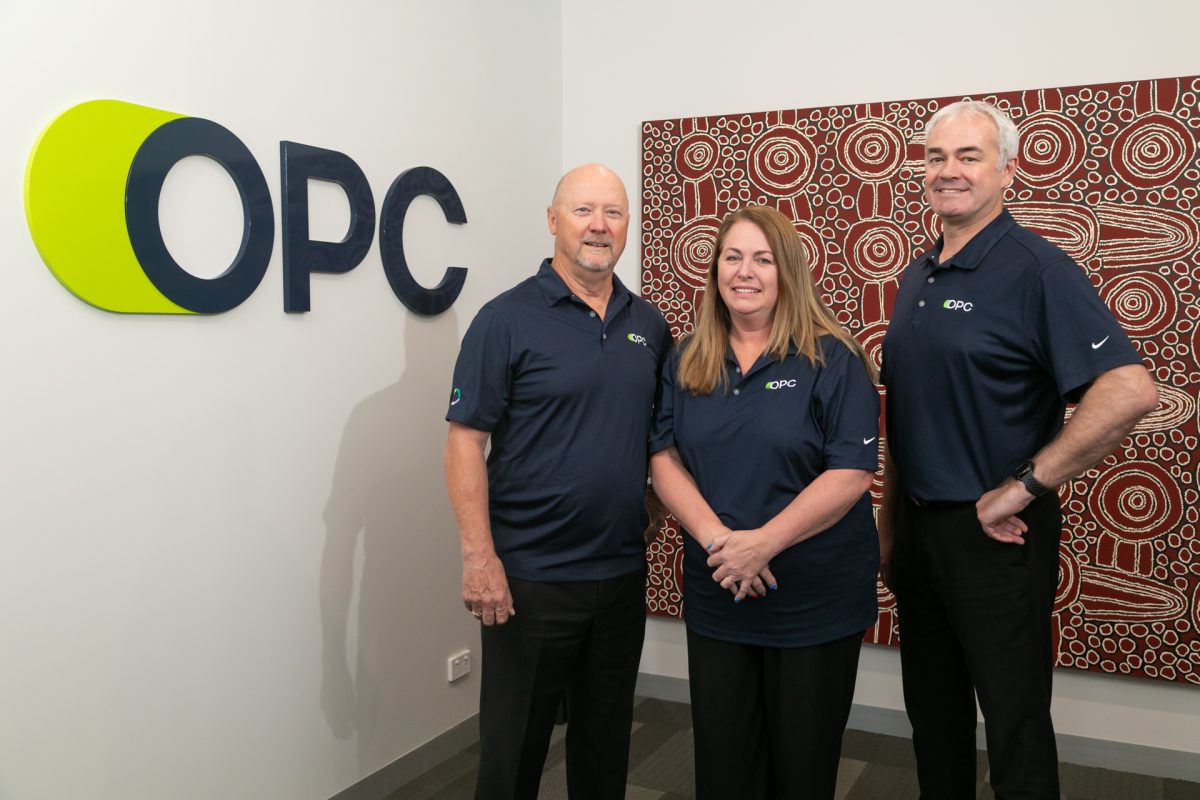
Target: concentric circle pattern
{"type": "Point", "coordinates": [696, 156]}
{"type": "Point", "coordinates": [1052, 148]}
{"type": "Point", "coordinates": [871, 150]}
{"type": "Point", "coordinates": [781, 161]}
{"type": "Point", "coordinates": [1138, 501]}
{"type": "Point", "coordinates": [692, 251]}
{"type": "Point", "coordinates": [1110, 174]}
{"type": "Point", "coordinates": [1153, 151]}
{"type": "Point", "coordinates": [1145, 302]}
{"type": "Point", "coordinates": [876, 249]}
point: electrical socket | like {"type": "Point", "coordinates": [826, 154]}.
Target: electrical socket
{"type": "Point", "coordinates": [458, 665]}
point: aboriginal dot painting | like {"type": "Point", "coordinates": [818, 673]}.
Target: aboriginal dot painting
{"type": "Point", "coordinates": [1110, 173]}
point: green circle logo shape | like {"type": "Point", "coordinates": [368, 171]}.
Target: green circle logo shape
{"type": "Point", "coordinates": [75, 204]}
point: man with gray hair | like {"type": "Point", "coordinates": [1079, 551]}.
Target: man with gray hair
{"type": "Point", "coordinates": [994, 330]}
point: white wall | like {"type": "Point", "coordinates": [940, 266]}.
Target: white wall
{"type": "Point", "coordinates": [639, 61]}
{"type": "Point", "coordinates": [164, 481]}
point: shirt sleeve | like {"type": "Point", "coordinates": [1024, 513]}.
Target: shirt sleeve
{"type": "Point", "coordinates": [482, 374]}
{"type": "Point", "coordinates": [846, 409]}
{"type": "Point", "coordinates": [1076, 336]}
{"type": "Point", "coordinates": [662, 432]}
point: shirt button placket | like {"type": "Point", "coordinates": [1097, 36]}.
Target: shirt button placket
{"type": "Point", "coordinates": [603, 333]}
{"type": "Point", "coordinates": [915, 318]}
{"type": "Point", "coordinates": [929, 280]}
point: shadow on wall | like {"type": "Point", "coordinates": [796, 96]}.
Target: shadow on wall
{"type": "Point", "coordinates": [388, 485]}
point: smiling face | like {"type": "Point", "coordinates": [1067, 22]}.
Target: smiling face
{"type": "Point", "coordinates": [747, 277]}
{"type": "Point", "coordinates": [589, 218]}
{"type": "Point", "coordinates": [962, 183]}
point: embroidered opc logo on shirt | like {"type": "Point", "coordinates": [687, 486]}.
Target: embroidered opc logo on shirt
{"type": "Point", "coordinates": [784, 384]}
{"type": "Point", "coordinates": [958, 305]}
{"type": "Point", "coordinates": [637, 338]}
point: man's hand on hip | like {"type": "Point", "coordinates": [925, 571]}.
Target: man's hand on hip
{"type": "Point", "coordinates": [997, 511]}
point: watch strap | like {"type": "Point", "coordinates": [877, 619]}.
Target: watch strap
{"type": "Point", "coordinates": [1032, 485]}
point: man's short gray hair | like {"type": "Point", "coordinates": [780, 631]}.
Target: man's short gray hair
{"type": "Point", "coordinates": [1007, 138]}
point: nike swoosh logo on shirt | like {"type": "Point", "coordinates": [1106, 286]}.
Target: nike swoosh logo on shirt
{"type": "Point", "coordinates": [1099, 344]}
{"type": "Point", "coordinates": [868, 441]}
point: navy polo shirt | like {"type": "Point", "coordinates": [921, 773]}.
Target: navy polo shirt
{"type": "Point", "coordinates": [568, 399]}
{"type": "Point", "coordinates": [751, 450]}
{"type": "Point", "coordinates": [982, 354]}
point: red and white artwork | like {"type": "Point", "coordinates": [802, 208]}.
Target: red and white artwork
{"type": "Point", "coordinates": [1109, 173]}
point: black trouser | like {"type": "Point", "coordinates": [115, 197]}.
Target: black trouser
{"type": "Point", "coordinates": [768, 722]}
{"type": "Point", "coordinates": [581, 640]}
{"type": "Point", "coordinates": [975, 619]}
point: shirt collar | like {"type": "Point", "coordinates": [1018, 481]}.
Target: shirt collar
{"type": "Point", "coordinates": [554, 289]}
{"type": "Point", "coordinates": [760, 362]}
{"type": "Point", "coordinates": [980, 245]}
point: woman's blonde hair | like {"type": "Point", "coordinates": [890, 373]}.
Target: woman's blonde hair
{"type": "Point", "coordinates": [801, 317]}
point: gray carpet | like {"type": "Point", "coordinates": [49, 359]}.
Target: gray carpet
{"type": "Point", "coordinates": [874, 767]}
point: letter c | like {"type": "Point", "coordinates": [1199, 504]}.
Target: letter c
{"type": "Point", "coordinates": [408, 186]}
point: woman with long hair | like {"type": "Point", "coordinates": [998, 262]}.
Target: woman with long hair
{"type": "Point", "coordinates": [765, 443]}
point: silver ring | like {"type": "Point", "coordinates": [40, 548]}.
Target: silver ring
{"type": "Point", "coordinates": [476, 614]}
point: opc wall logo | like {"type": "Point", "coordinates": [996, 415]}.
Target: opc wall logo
{"type": "Point", "coordinates": [92, 189]}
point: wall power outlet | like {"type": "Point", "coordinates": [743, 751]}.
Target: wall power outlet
{"type": "Point", "coordinates": [458, 665]}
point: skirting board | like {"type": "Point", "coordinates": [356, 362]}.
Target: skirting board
{"type": "Point", "coordinates": [890, 722]}
{"type": "Point", "coordinates": [384, 782]}
{"type": "Point", "coordinates": [1081, 750]}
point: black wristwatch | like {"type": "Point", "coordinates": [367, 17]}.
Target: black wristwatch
{"type": "Point", "coordinates": [1032, 485]}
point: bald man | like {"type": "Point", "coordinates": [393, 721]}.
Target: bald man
{"type": "Point", "coordinates": [560, 374]}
